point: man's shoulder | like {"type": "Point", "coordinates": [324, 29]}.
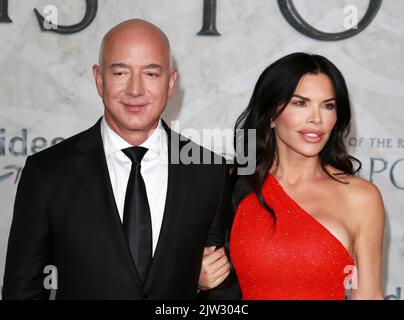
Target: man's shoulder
{"type": "Point", "coordinates": [190, 152]}
{"type": "Point", "coordinates": [63, 149]}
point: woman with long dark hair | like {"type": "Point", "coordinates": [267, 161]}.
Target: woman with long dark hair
{"type": "Point", "coordinates": [304, 226]}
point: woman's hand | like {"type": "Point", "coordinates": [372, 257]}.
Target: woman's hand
{"type": "Point", "coordinates": [215, 268]}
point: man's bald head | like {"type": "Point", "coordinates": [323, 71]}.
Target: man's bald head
{"type": "Point", "coordinates": [135, 78]}
{"type": "Point", "coordinates": [134, 28]}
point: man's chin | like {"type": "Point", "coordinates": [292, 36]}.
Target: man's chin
{"type": "Point", "coordinates": [140, 126]}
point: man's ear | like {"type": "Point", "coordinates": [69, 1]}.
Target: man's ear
{"type": "Point", "coordinates": [172, 81]}
{"type": "Point", "coordinates": [98, 79]}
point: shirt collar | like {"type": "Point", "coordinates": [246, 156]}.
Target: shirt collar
{"type": "Point", "coordinates": [113, 142]}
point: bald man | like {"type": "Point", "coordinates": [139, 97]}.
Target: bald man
{"type": "Point", "coordinates": [115, 212]}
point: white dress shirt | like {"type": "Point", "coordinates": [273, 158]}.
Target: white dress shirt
{"type": "Point", "coordinates": [154, 170]}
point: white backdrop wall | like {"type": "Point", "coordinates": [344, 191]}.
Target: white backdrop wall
{"type": "Point", "coordinates": [47, 90]}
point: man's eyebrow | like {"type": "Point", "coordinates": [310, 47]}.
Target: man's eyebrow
{"type": "Point", "coordinates": [119, 65]}
{"type": "Point", "coordinates": [153, 66]}
{"type": "Point", "coordinates": [149, 66]}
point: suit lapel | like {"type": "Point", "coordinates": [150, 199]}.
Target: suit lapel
{"type": "Point", "coordinates": [178, 186]}
{"type": "Point", "coordinates": [92, 169]}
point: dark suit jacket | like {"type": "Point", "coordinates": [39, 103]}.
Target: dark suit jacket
{"type": "Point", "coordinates": [65, 215]}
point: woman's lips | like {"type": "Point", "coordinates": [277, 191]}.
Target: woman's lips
{"type": "Point", "coordinates": [311, 136]}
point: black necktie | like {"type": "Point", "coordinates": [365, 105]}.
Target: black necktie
{"type": "Point", "coordinates": [136, 215]}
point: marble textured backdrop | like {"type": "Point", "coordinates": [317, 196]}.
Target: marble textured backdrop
{"type": "Point", "coordinates": [47, 89]}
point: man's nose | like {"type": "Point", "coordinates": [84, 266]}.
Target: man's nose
{"type": "Point", "coordinates": [135, 86]}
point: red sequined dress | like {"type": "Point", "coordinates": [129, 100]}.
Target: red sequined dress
{"type": "Point", "coordinates": [299, 259]}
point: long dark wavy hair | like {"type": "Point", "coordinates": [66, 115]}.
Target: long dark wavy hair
{"type": "Point", "coordinates": [272, 93]}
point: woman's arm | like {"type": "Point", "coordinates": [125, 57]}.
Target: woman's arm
{"type": "Point", "coordinates": [369, 213]}
{"type": "Point", "coordinates": [215, 268]}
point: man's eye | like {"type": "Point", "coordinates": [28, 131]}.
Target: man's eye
{"type": "Point", "coordinates": [118, 73]}
{"type": "Point", "coordinates": [152, 74]}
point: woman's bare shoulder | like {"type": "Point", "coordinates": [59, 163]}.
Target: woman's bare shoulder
{"type": "Point", "coordinates": [358, 187]}
{"type": "Point", "coordinates": [362, 197]}
{"type": "Point", "coordinates": [355, 186]}
{"type": "Point", "coordinates": [357, 195]}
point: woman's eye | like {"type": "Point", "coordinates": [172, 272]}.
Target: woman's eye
{"type": "Point", "coordinates": [329, 106]}
{"type": "Point", "coordinates": [300, 103]}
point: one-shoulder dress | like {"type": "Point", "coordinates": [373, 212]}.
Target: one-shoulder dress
{"type": "Point", "coordinates": [297, 259]}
